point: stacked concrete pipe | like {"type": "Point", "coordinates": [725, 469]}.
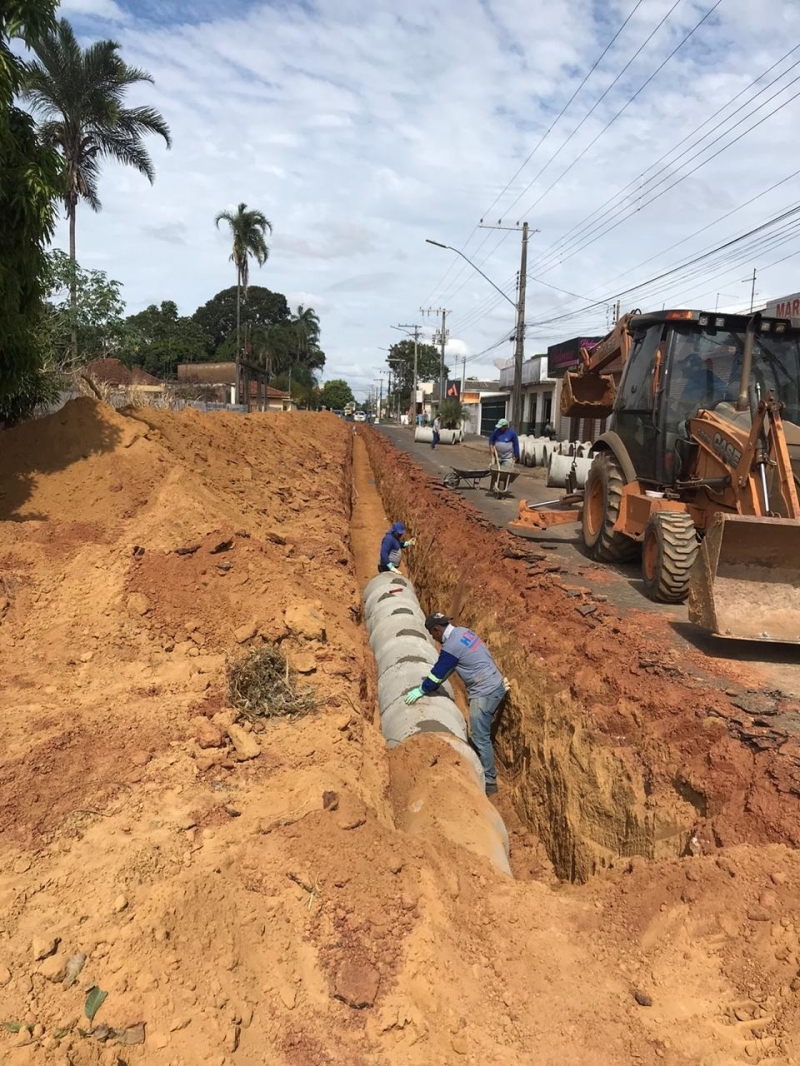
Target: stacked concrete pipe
{"type": "Point", "coordinates": [559, 468]}
{"type": "Point", "coordinates": [404, 654]}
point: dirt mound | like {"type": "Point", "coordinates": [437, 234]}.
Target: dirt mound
{"type": "Point", "coordinates": [218, 891]}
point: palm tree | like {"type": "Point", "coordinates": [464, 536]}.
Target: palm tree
{"type": "Point", "coordinates": [306, 324]}
{"type": "Point", "coordinates": [248, 229]}
{"type": "Point", "coordinates": [79, 94]}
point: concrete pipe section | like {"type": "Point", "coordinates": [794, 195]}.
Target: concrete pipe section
{"type": "Point", "coordinates": [423, 435]}
{"type": "Point", "coordinates": [404, 653]}
{"type": "Point", "coordinates": [559, 468]}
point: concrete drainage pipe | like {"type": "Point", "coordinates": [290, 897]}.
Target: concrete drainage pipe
{"type": "Point", "coordinates": [404, 653]}
{"type": "Point", "coordinates": [559, 467]}
{"type": "Point", "coordinates": [423, 435]}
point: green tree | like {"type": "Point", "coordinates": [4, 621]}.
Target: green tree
{"type": "Point", "coordinates": [248, 230]}
{"type": "Point", "coordinates": [158, 338]}
{"type": "Point", "coordinates": [336, 394]}
{"type": "Point", "coordinates": [29, 187]}
{"type": "Point", "coordinates": [79, 96]}
{"type": "Point", "coordinates": [82, 304]}
{"type": "Point", "coordinates": [217, 318]}
{"type": "Point", "coordinates": [401, 361]}
{"type": "Point", "coordinates": [451, 413]}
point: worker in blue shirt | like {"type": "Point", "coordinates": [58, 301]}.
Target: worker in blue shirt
{"type": "Point", "coordinates": [391, 548]}
{"type": "Point", "coordinates": [465, 653]}
{"type": "Point", "coordinates": [504, 444]}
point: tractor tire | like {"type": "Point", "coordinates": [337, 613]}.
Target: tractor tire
{"type": "Point", "coordinates": [668, 553]}
{"type": "Point", "coordinates": [602, 498]}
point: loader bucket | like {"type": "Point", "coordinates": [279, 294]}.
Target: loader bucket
{"type": "Point", "coordinates": [588, 395]}
{"type": "Point", "coordinates": [745, 582]}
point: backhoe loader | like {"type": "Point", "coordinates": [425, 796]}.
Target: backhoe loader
{"type": "Point", "coordinates": [700, 466]}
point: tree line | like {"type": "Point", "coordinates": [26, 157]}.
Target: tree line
{"type": "Point", "coordinates": [54, 315]}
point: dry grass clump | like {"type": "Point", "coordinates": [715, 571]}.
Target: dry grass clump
{"type": "Point", "coordinates": [261, 685]}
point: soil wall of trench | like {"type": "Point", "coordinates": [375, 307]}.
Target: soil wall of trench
{"type": "Point", "coordinates": [610, 748]}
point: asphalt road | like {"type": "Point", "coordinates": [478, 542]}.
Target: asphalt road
{"type": "Point", "coordinates": [774, 666]}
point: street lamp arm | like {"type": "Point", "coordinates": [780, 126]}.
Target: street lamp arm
{"type": "Point", "coordinates": [450, 248]}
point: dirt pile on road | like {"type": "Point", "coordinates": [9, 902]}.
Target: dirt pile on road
{"type": "Point", "coordinates": [211, 890]}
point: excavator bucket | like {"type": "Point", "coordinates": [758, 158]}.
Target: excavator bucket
{"type": "Point", "coordinates": [745, 582]}
{"type": "Point", "coordinates": [588, 395]}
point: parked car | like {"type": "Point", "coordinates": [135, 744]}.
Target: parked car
{"type": "Point", "coordinates": [359, 416]}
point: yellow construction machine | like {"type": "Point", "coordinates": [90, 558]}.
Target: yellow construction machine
{"type": "Point", "coordinates": [700, 466]}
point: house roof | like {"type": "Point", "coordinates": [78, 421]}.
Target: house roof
{"type": "Point", "coordinates": [272, 394]}
{"type": "Point", "coordinates": [114, 372]}
{"type": "Point", "coordinates": [481, 386]}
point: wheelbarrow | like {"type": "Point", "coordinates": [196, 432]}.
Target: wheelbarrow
{"type": "Point", "coordinates": [471, 478]}
{"type": "Point", "coordinates": [502, 478]}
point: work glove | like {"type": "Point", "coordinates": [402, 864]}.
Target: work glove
{"type": "Point", "coordinates": [414, 695]}
{"type": "Point", "coordinates": [393, 567]}
{"type": "Point", "coordinates": [408, 543]}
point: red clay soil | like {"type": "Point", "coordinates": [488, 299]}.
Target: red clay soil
{"type": "Point", "coordinates": [247, 897]}
{"type": "Point", "coordinates": [725, 768]}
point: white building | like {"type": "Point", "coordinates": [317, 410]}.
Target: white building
{"type": "Point", "coordinates": [540, 394]}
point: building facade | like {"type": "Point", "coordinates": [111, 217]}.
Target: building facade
{"type": "Point", "coordinates": [540, 394]}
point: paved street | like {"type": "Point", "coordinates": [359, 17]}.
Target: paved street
{"type": "Point", "coordinates": [775, 666]}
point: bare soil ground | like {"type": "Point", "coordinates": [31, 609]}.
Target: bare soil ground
{"type": "Point", "coordinates": [253, 902]}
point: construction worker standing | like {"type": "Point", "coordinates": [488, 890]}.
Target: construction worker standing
{"type": "Point", "coordinates": [391, 548]}
{"type": "Point", "coordinates": [504, 444]}
{"type": "Point", "coordinates": [437, 425]}
{"type": "Point", "coordinates": [465, 653]}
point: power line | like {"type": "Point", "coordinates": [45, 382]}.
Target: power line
{"type": "Point", "coordinates": [625, 106]}
{"type": "Point", "coordinates": [655, 165]}
{"type": "Point", "coordinates": [538, 145]}
{"type": "Point", "coordinates": [600, 99]}
{"type": "Point", "coordinates": [558, 257]}
{"type": "Point", "coordinates": [790, 212]}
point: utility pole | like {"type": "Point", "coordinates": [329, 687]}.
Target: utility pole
{"type": "Point", "coordinates": [519, 347]}
{"type": "Point", "coordinates": [463, 373]}
{"type": "Point", "coordinates": [441, 338]}
{"type": "Point", "coordinates": [416, 361]}
{"type": "Point", "coordinates": [753, 291]}
{"type": "Point", "coordinates": [380, 398]}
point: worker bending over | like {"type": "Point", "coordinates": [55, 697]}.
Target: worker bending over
{"type": "Point", "coordinates": [391, 548]}
{"type": "Point", "coordinates": [504, 444]}
{"type": "Point", "coordinates": [467, 655]}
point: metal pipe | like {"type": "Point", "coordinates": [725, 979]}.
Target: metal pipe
{"type": "Point", "coordinates": [743, 403]}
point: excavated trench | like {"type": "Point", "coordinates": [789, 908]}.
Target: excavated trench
{"type": "Point", "coordinates": [592, 795]}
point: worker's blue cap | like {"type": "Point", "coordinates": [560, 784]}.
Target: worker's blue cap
{"type": "Point", "coordinates": [398, 527]}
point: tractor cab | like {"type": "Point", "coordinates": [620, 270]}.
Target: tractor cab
{"type": "Point", "coordinates": [683, 362]}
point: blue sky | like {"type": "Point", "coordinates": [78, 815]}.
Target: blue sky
{"type": "Point", "coordinates": [360, 131]}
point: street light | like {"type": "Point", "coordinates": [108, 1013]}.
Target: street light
{"type": "Point", "coordinates": [450, 248]}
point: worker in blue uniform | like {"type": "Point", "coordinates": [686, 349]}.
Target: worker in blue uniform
{"type": "Point", "coordinates": [504, 444]}
{"type": "Point", "coordinates": [392, 547]}
{"type": "Point", "coordinates": [465, 653]}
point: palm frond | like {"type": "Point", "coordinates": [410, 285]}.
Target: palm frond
{"type": "Point", "coordinates": [78, 95]}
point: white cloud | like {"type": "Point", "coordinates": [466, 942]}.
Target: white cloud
{"type": "Point", "coordinates": [107, 10]}
{"type": "Point", "coordinates": [360, 132]}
